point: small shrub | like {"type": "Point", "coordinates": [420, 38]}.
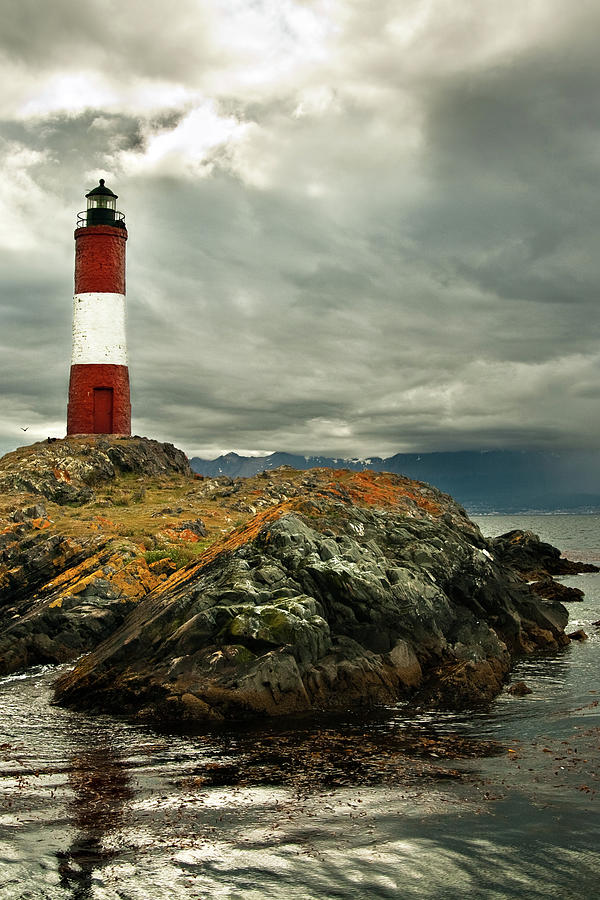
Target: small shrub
{"type": "Point", "coordinates": [154, 555]}
{"type": "Point", "coordinates": [181, 556]}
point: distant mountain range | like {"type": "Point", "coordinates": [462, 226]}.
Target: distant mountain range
{"type": "Point", "coordinates": [504, 481]}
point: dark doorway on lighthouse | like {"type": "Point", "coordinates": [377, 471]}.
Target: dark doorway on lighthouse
{"type": "Point", "coordinates": [103, 410]}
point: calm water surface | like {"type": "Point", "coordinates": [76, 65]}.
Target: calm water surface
{"type": "Point", "coordinates": [92, 807]}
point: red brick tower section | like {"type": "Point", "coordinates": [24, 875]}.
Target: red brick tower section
{"type": "Point", "coordinates": [99, 384]}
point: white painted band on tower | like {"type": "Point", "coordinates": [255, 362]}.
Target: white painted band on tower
{"type": "Point", "coordinates": [99, 329]}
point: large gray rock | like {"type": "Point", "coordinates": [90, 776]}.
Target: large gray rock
{"type": "Point", "coordinates": [330, 605]}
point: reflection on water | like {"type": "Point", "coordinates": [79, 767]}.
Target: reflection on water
{"type": "Point", "coordinates": [95, 808]}
{"type": "Point", "coordinates": [487, 805]}
{"type": "Point", "coordinates": [101, 787]}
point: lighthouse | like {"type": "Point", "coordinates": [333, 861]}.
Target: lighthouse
{"type": "Point", "coordinates": [99, 384]}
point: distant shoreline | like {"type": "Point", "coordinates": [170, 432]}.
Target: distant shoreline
{"type": "Point", "coordinates": [535, 512]}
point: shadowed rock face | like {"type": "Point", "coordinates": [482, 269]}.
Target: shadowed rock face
{"type": "Point", "coordinates": [374, 589]}
{"type": "Point", "coordinates": [537, 562]}
{"type": "Point", "coordinates": [524, 551]}
{"type": "Point", "coordinates": [60, 597]}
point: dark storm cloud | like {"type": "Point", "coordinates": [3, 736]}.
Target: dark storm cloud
{"type": "Point", "coordinates": [69, 35]}
{"type": "Point", "coordinates": [388, 243]}
{"type": "Point", "coordinates": [519, 147]}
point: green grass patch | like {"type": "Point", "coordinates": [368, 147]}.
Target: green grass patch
{"type": "Point", "coordinates": [180, 555]}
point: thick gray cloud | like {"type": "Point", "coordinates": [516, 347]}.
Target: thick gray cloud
{"type": "Point", "coordinates": [354, 228]}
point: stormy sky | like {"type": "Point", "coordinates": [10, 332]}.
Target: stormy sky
{"type": "Point", "coordinates": [354, 227]}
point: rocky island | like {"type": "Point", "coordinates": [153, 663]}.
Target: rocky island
{"type": "Point", "coordinates": [204, 600]}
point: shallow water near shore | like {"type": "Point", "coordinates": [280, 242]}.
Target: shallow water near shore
{"type": "Point", "coordinates": [501, 803]}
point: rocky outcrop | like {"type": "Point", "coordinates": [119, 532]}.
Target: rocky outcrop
{"type": "Point", "coordinates": [60, 597]}
{"type": "Point", "coordinates": [66, 584]}
{"type": "Point", "coordinates": [366, 589]}
{"type": "Point", "coordinates": [537, 562]}
{"type": "Point", "coordinates": [525, 552]}
{"type": "Point", "coordinates": [550, 589]}
{"type": "Point", "coordinates": [228, 598]}
{"type": "Point", "coordinates": [66, 471]}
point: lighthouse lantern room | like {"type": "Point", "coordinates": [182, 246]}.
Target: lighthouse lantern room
{"type": "Point", "coordinates": [99, 384]}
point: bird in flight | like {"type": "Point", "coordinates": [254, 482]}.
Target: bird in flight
{"type": "Point", "coordinates": [23, 429]}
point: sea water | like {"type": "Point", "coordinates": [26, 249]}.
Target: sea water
{"type": "Point", "coordinates": [95, 807]}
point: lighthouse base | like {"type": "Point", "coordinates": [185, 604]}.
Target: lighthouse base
{"type": "Point", "coordinates": [99, 400]}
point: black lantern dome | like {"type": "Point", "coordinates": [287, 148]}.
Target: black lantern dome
{"type": "Point", "coordinates": [101, 208]}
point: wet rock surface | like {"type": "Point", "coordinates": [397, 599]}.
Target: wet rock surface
{"type": "Point", "coordinates": [325, 756]}
{"type": "Point", "coordinates": [578, 635]}
{"type": "Point", "coordinates": [550, 589]}
{"type": "Point", "coordinates": [519, 689]}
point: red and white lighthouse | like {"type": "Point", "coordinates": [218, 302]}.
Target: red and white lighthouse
{"type": "Point", "coordinates": [99, 384]}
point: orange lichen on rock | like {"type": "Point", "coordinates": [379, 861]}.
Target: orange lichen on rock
{"type": "Point", "coordinates": [378, 489]}
{"type": "Point", "coordinates": [41, 523]}
{"type": "Point", "coordinates": [162, 567]}
{"type": "Point", "coordinates": [184, 535]}
{"type": "Point", "coordinates": [135, 580]}
{"type": "Point", "coordinates": [12, 526]}
{"type": "Point", "coordinates": [130, 581]}
{"type": "Point", "coordinates": [76, 580]}
{"type": "Point", "coordinates": [61, 474]}
{"type": "Point", "coordinates": [373, 489]}
{"type": "Point", "coordinates": [100, 522]}
{"type": "Point", "coordinates": [231, 542]}
{"type": "Point", "coordinates": [425, 503]}
{"type": "Point", "coordinates": [76, 572]}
